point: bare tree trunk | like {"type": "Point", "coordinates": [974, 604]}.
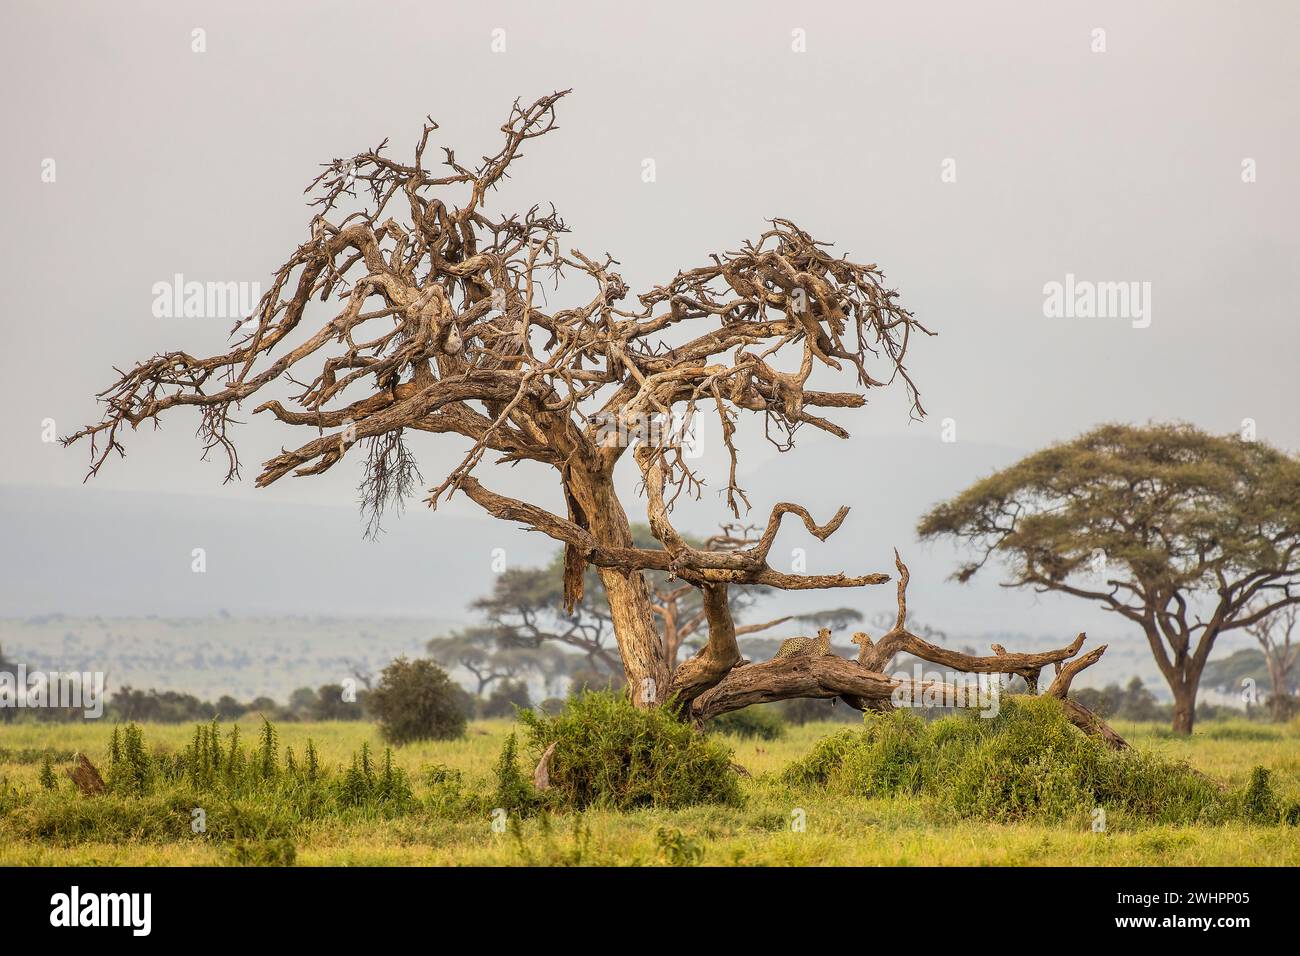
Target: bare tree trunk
{"type": "Point", "coordinates": [1182, 670]}
{"type": "Point", "coordinates": [1185, 705]}
{"type": "Point", "coordinates": [672, 636]}
{"type": "Point", "coordinates": [1277, 685]}
{"type": "Point", "coordinates": [596, 507]}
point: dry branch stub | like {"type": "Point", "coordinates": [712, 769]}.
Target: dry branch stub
{"type": "Point", "coordinates": [86, 777]}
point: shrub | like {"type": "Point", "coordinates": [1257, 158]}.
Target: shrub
{"type": "Point", "coordinates": [131, 770]}
{"type": "Point", "coordinates": [447, 794]}
{"type": "Point", "coordinates": [749, 723]}
{"type": "Point", "coordinates": [364, 785]}
{"type": "Point", "coordinates": [1027, 762]}
{"type": "Point", "coordinates": [46, 777]}
{"type": "Point", "coordinates": [514, 792]}
{"type": "Point", "coordinates": [416, 700]}
{"type": "Point", "coordinates": [1258, 803]}
{"type": "Point", "coordinates": [609, 754]}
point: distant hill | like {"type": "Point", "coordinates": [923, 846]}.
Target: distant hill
{"type": "Point", "coordinates": [86, 551]}
{"type": "Point", "coordinates": [216, 654]}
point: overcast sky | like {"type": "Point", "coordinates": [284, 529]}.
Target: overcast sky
{"type": "Point", "coordinates": [976, 152]}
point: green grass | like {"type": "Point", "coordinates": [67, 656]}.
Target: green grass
{"type": "Point", "coordinates": [450, 822]}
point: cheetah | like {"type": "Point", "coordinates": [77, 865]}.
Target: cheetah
{"type": "Point", "coordinates": [805, 646]}
{"type": "Point", "coordinates": [864, 644]}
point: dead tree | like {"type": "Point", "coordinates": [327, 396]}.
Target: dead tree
{"type": "Point", "coordinates": [438, 326]}
{"type": "Point", "coordinates": [1273, 632]}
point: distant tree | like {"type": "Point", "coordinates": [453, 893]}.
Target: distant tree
{"type": "Point", "coordinates": [1139, 703]}
{"type": "Point", "coordinates": [1133, 702]}
{"type": "Point", "coordinates": [1274, 633]}
{"type": "Point", "coordinates": [526, 610]}
{"type": "Point", "coordinates": [1185, 534]}
{"type": "Point", "coordinates": [505, 697]}
{"type": "Point", "coordinates": [304, 703]}
{"type": "Point", "coordinates": [333, 704]}
{"type": "Point", "coordinates": [265, 706]}
{"type": "Point", "coordinates": [416, 700]}
{"type": "Point", "coordinates": [167, 707]}
{"type": "Point", "coordinates": [229, 709]}
{"type": "Point", "coordinates": [585, 679]}
{"type": "Point", "coordinates": [7, 667]}
{"type": "Point", "coordinates": [1229, 674]}
{"type": "Point", "coordinates": [490, 655]}
{"type": "Point", "coordinates": [883, 620]}
{"type": "Point", "coordinates": [837, 618]}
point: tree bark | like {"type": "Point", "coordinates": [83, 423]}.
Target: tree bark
{"type": "Point", "coordinates": [596, 508]}
{"type": "Point", "coordinates": [1185, 706]}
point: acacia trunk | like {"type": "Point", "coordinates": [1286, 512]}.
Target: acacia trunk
{"type": "Point", "coordinates": [645, 665]}
{"type": "Point", "coordinates": [1279, 682]}
{"type": "Point", "coordinates": [1182, 672]}
{"type": "Point", "coordinates": [1184, 707]}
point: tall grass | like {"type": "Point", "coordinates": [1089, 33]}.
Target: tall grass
{"type": "Point", "coordinates": [449, 821]}
{"type": "Point", "coordinates": [214, 788]}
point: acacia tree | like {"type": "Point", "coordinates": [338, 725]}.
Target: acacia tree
{"type": "Point", "coordinates": [437, 327]}
{"type": "Point", "coordinates": [526, 609]}
{"type": "Point", "coordinates": [491, 657]}
{"type": "Point", "coordinates": [1187, 535]}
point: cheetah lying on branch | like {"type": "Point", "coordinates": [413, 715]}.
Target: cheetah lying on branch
{"type": "Point", "coordinates": [819, 646]}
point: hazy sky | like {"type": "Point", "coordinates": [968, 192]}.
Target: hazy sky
{"type": "Point", "coordinates": [975, 151]}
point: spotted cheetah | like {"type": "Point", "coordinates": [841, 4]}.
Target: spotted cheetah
{"type": "Point", "coordinates": [864, 644]}
{"type": "Point", "coordinates": [805, 646]}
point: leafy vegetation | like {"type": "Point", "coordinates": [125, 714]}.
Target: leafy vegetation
{"type": "Point", "coordinates": [610, 754]}
{"type": "Point", "coordinates": [449, 817]}
{"type": "Point", "coordinates": [416, 700]}
{"type": "Point", "coordinates": [1028, 762]}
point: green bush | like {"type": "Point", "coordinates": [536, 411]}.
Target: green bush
{"type": "Point", "coordinates": [131, 769]}
{"type": "Point", "coordinates": [757, 722]}
{"type": "Point", "coordinates": [416, 700]}
{"type": "Point", "coordinates": [448, 797]}
{"type": "Point", "coordinates": [1028, 762]}
{"type": "Point", "coordinates": [46, 777]}
{"type": "Point", "coordinates": [612, 755]}
{"type": "Point", "coordinates": [514, 792]}
{"type": "Point", "coordinates": [1258, 802]}
{"type": "Point", "coordinates": [365, 785]}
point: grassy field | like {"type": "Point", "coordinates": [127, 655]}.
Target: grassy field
{"type": "Point", "coordinates": [838, 830]}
